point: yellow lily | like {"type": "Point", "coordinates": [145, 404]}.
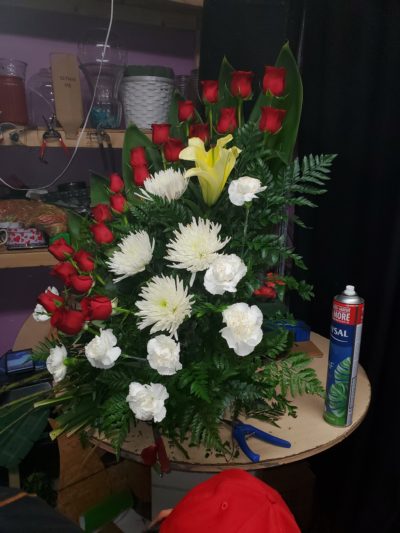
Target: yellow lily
{"type": "Point", "coordinates": [212, 166]}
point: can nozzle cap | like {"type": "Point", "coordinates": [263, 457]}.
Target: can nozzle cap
{"type": "Point", "coordinates": [349, 290]}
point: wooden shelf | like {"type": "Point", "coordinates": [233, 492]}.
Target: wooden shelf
{"type": "Point", "coordinates": [26, 258]}
{"type": "Point", "coordinates": [33, 138]}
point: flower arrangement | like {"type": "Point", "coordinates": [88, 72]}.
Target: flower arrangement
{"type": "Point", "coordinates": [175, 286]}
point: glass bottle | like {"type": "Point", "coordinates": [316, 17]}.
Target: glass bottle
{"type": "Point", "coordinates": [12, 92]}
{"type": "Point", "coordinates": [41, 101]}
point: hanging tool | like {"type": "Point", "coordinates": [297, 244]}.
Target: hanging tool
{"type": "Point", "coordinates": [108, 162]}
{"type": "Point", "coordinates": [242, 431]}
{"type": "Point", "coordinates": [51, 134]}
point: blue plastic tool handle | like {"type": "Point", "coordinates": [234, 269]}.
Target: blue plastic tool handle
{"type": "Point", "coordinates": [241, 439]}
{"type": "Point", "coordinates": [262, 435]}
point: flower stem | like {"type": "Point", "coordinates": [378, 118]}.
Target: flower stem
{"type": "Point", "coordinates": [246, 222]}
{"type": "Point", "coordinates": [100, 279]}
{"type": "Point", "coordinates": [210, 120]}
{"type": "Point", "coordinates": [164, 161]}
{"type": "Point", "coordinates": [240, 111]}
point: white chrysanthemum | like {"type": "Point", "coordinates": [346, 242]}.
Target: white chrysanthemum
{"type": "Point", "coordinates": [39, 313]}
{"type": "Point", "coordinates": [102, 351]}
{"type": "Point", "coordinates": [224, 274]}
{"type": "Point", "coordinates": [244, 189]}
{"type": "Point", "coordinates": [163, 355]}
{"type": "Point", "coordinates": [169, 184]}
{"type": "Point", "coordinates": [243, 327]}
{"type": "Point", "coordinates": [135, 252]}
{"type": "Point", "coordinates": [147, 401]}
{"type": "Point", "coordinates": [165, 304]}
{"type": "Point", "coordinates": [55, 362]}
{"type": "Point", "coordinates": [195, 246]}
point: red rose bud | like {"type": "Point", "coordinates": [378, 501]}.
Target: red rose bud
{"type": "Point", "coordinates": [202, 131]}
{"type": "Point", "coordinates": [274, 80]}
{"type": "Point", "coordinates": [64, 271]}
{"type": "Point", "coordinates": [138, 157]}
{"type": "Point", "coordinates": [140, 174]}
{"type": "Point", "coordinates": [241, 83]}
{"type": "Point", "coordinates": [96, 307]}
{"type": "Point", "coordinates": [118, 202]}
{"type": "Point", "coordinates": [84, 260]}
{"type": "Point", "coordinates": [68, 321]}
{"type": "Point", "coordinates": [101, 213]}
{"type": "Point", "coordinates": [271, 119]}
{"type": "Point", "coordinates": [61, 249]}
{"type": "Point", "coordinates": [266, 292]}
{"type": "Point", "coordinates": [160, 133]}
{"type": "Point", "coordinates": [101, 234]}
{"type": "Point", "coordinates": [81, 283]}
{"type": "Point", "coordinates": [116, 183]}
{"type": "Point", "coordinates": [272, 277]}
{"type": "Point", "coordinates": [50, 301]}
{"type": "Point", "coordinates": [210, 91]}
{"type": "Point", "coordinates": [227, 122]}
{"type": "Point", "coordinates": [185, 110]}
{"type": "Point", "coordinates": [172, 149]}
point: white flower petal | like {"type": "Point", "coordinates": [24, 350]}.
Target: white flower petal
{"type": "Point", "coordinates": [102, 351]}
{"type": "Point", "coordinates": [243, 327]}
{"type": "Point", "coordinates": [163, 355]}
{"type": "Point", "coordinates": [55, 362]}
{"type": "Point", "coordinates": [244, 189]}
{"type": "Point", "coordinates": [169, 184]}
{"type": "Point", "coordinates": [147, 401]}
{"type": "Point", "coordinates": [224, 274]}
{"type": "Point", "coordinates": [195, 246]}
{"type": "Point", "coordinates": [135, 252]}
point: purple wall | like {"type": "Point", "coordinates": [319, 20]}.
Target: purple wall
{"type": "Point", "coordinates": [31, 35]}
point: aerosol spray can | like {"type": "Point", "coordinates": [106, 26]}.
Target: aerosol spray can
{"type": "Point", "coordinates": [346, 327]}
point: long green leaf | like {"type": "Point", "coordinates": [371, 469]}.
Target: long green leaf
{"type": "Point", "coordinates": [285, 140]}
{"type": "Point", "coordinates": [98, 189]}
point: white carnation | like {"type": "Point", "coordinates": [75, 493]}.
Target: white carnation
{"type": "Point", "coordinates": [243, 327]}
{"type": "Point", "coordinates": [169, 184]}
{"type": "Point", "coordinates": [147, 401]}
{"type": "Point", "coordinates": [39, 313]}
{"type": "Point", "coordinates": [163, 355]}
{"type": "Point", "coordinates": [55, 362]}
{"type": "Point", "coordinates": [224, 274]}
{"type": "Point", "coordinates": [135, 252]}
{"type": "Point", "coordinates": [102, 351]}
{"type": "Point", "coordinates": [244, 189]}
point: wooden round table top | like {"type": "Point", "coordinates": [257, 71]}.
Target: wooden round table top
{"type": "Point", "coordinates": [309, 434]}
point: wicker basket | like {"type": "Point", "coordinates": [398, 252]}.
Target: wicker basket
{"type": "Point", "coordinates": [146, 95]}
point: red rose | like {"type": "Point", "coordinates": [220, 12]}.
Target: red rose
{"type": "Point", "coordinates": [118, 202]}
{"type": "Point", "coordinates": [267, 292]}
{"type": "Point", "coordinates": [241, 83]}
{"type": "Point", "coordinates": [138, 157]}
{"type": "Point", "coordinates": [64, 271]}
{"type": "Point", "coordinates": [84, 260]}
{"type": "Point", "coordinates": [202, 131]}
{"type": "Point", "coordinates": [172, 149]}
{"type": "Point", "coordinates": [140, 174]}
{"type": "Point", "coordinates": [81, 283]}
{"type": "Point", "coordinates": [50, 301]}
{"type": "Point", "coordinates": [227, 122]}
{"type": "Point", "coordinates": [116, 183]}
{"type": "Point", "coordinates": [68, 321]}
{"type": "Point", "coordinates": [272, 277]}
{"type": "Point", "coordinates": [160, 133]}
{"type": "Point", "coordinates": [101, 234]}
{"type": "Point", "coordinates": [101, 213]}
{"type": "Point", "coordinates": [210, 91]}
{"type": "Point", "coordinates": [61, 249]}
{"type": "Point", "coordinates": [271, 119]}
{"type": "Point", "coordinates": [274, 80]}
{"type": "Point", "coordinates": [96, 307]}
{"type": "Point", "coordinates": [185, 110]}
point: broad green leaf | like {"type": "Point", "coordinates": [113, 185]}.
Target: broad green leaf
{"type": "Point", "coordinates": [134, 137]}
{"type": "Point", "coordinates": [98, 190]}
{"type": "Point", "coordinates": [285, 140]}
{"type": "Point", "coordinates": [75, 222]}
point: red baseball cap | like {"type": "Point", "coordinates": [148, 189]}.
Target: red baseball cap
{"type": "Point", "coordinates": [232, 501]}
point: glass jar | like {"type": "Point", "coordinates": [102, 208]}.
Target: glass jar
{"type": "Point", "coordinates": [41, 101]}
{"type": "Point", "coordinates": [12, 92]}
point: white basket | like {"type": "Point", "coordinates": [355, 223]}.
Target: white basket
{"type": "Point", "coordinates": [146, 100]}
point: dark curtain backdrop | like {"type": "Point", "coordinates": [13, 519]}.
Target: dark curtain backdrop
{"type": "Point", "coordinates": [350, 59]}
{"type": "Point", "coordinates": [351, 75]}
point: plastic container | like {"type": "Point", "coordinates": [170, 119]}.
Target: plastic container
{"type": "Point", "coordinates": [12, 92]}
{"type": "Point", "coordinates": [146, 94]}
